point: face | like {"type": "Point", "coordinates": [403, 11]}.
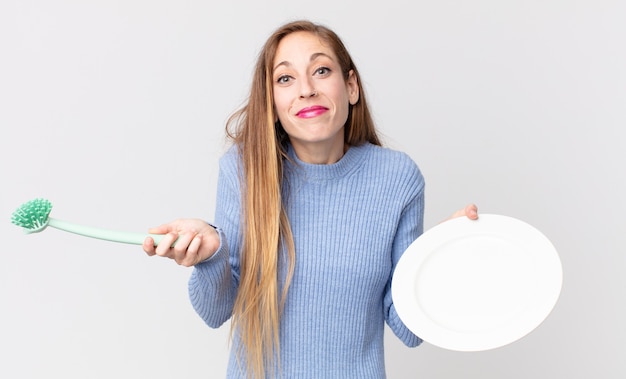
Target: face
{"type": "Point", "coordinates": [311, 96]}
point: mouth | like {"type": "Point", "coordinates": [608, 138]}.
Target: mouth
{"type": "Point", "coordinates": [310, 112]}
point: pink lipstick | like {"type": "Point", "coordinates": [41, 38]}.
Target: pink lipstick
{"type": "Point", "coordinates": [310, 112]}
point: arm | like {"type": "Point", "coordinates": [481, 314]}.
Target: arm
{"type": "Point", "coordinates": [212, 287]}
{"type": "Point", "coordinates": [410, 227]}
{"type": "Point", "coordinates": [213, 283]}
{"type": "Point", "coordinates": [206, 248]}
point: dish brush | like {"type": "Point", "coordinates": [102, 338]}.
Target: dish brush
{"type": "Point", "coordinates": [34, 216]}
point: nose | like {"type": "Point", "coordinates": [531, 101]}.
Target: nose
{"type": "Point", "coordinates": [307, 90]}
{"type": "Point", "coordinates": [310, 94]}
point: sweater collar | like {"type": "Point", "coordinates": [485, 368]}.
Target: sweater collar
{"type": "Point", "coordinates": [350, 161]}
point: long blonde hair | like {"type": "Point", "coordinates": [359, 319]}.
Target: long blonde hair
{"type": "Point", "coordinates": [266, 231]}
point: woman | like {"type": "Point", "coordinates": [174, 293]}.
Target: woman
{"type": "Point", "coordinates": [311, 217]}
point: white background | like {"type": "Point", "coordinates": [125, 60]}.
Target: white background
{"type": "Point", "coordinates": [115, 111]}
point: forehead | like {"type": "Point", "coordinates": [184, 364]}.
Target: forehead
{"type": "Point", "coordinates": [300, 46]}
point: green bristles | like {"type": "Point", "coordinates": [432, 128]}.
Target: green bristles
{"type": "Point", "coordinates": [32, 215]}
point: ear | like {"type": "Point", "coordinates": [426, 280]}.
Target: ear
{"type": "Point", "coordinates": [353, 87]}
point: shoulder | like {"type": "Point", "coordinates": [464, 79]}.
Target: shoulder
{"type": "Point", "coordinates": [392, 162]}
{"type": "Point", "coordinates": [230, 160]}
{"type": "Point", "coordinates": [230, 168]}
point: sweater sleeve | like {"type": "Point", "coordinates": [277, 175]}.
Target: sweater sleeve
{"type": "Point", "coordinates": [410, 227]}
{"type": "Point", "coordinates": [213, 283]}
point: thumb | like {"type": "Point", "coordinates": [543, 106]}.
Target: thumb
{"type": "Point", "coordinates": [161, 229]}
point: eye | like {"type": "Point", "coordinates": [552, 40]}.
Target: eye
{"type": "Point", "coordinates": [283, 79]}
{"type": "Point", "coordinates": [322, 71]}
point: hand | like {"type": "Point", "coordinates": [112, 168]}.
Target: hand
{"type": "Point", "coordinates": [471, 211]}
{"type": "Point", "coordinates": [196, 242]}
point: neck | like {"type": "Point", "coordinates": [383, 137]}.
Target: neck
{"type": "Point", "coordinates": [320, 153]}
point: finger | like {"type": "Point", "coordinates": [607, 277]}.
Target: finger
{"type": "Point", "coordinates": [148, 246]}
{"type": "Point", "coordinates": [471, 211]}
{"type": "Point", "coordinates": [182, 246]}
{"type": "Point", "coordinates": [163, 249]}
{"type": "Point", "coordinates": [458, 213]}
{"type": "Point", "coordinates": [193, 252]}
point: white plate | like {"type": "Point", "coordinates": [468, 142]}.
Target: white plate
{"type": "Point", "coordinates": [472, 285]}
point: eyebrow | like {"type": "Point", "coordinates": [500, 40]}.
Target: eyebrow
{"type": "Point", "coordinates": [314, 56]}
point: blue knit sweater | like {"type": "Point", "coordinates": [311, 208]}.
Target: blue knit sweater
{"type": "Point", "coordinates": [351, 222]}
